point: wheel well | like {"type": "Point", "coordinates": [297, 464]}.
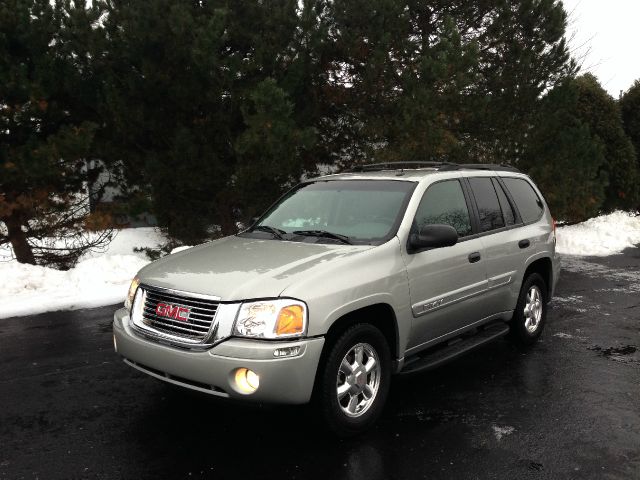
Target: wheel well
{"type": "Point", "coordinates": [380, 315]}
{"type": "Point", "coordinates": [544, 268]}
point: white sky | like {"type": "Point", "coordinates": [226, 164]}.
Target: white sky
{"type": "Point", "coordinates": [606, 40]}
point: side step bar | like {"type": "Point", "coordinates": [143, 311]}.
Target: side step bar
{"type": "Point", "coordinates": [441, 355]}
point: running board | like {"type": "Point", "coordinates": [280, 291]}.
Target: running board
{"type": "Point", "coordinates": [441, 355]}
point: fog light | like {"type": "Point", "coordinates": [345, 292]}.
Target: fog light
{"type": "Point", "coordinates": [247, 380]}
{"type": "Point", "coordinates": [287, 351]}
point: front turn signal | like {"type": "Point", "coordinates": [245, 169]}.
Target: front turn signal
{"type": "Point", "coordinates": [290, 320]}
{"type": "Point", "coordinates": [128, 302]}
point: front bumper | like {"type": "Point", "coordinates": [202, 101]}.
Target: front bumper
{"type": "Point", "coordinates": [282, 380]}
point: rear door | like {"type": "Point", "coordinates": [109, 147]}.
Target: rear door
{"type": "Point", "coordinates": [502, 239]}
{"type": "Point", "coordinates": [446, 284]}
{"type": "Point", "coordinates": [536, 228]}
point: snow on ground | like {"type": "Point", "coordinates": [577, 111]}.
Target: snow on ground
{"type": "Point", "coordinates": [98, 278]}
{"type": "Point", "coordinates": [103, 278]}
{"type": "Point", "coordinates": [500, 432]}
{"type": "Point", "coordinates": [600, 236]}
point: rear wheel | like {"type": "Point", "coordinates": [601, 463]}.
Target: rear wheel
{"type": "Point", "coordinates": [531, 311]}
{"type": "Point", "coordinates": [355, 380]}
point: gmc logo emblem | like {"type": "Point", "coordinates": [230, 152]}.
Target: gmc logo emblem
{"type": "Point", "coordinates": [173, 311]}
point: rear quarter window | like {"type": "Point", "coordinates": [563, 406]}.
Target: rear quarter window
{"type": "Point", "coordinates": [527, 200]}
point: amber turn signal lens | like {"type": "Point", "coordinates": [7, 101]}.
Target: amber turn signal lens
{"type": "Point", "coordinates": [128, 302]}
{"type": "Point", "coordinates": [290, 320]}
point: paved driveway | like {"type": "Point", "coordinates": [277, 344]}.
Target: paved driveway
{"type": "Point", "coordinates": [568, 408]}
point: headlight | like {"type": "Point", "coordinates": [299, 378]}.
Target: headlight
{"type": "Point", "coordinates": [272, 319]}
{"type": "Point", "coordinates": [132, 291]}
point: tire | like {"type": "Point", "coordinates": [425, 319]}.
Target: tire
{"type": "Point", "coordinates": [353, 413]}
{"type": "Point", "coordinates": [526, 328]}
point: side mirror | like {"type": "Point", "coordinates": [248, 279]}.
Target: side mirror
{"type": "Point", "coordinates": [433, 236]}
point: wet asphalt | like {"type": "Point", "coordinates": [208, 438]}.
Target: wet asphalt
{"type": "Point", "coordinates": [567, 408]}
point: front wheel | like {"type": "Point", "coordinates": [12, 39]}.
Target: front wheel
{"type": "Point", "coordinates": [355, 380]}
{"type": "Point", "coordinates": [531, 311]}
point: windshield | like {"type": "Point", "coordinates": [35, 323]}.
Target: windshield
{"type": "Point", "coordinates": [360, 211]}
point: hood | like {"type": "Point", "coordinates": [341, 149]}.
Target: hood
{"type": "Point", "coordinates": [237, 268]}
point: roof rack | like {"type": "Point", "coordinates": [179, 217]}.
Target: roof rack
{"type": "Point", "coordinates": [372, 167]}
{"type": "Point", "coordinates": [488, 166]}
{"type": "Point", "coordinates": [442, 166]}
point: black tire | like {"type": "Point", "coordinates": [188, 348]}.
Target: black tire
{"type": "Point", "coordinates": [518, 330]}
{"type": "Point", "coordinates": [335, 418]}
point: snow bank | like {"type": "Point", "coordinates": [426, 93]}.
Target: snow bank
{"type": "Point", "coordinates": [98, 278]}
{"type": "Point", "coordinates": [600, 236]}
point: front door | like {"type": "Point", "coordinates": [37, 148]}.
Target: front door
{"type": "Point", "coordinates": [446, 284]}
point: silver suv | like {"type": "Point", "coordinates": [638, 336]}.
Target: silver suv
{"type": "Point", "coordinates": [346, 280]}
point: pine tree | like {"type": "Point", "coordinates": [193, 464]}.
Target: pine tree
{"type": "Point", "coordinates": [630, 109]}
{"type": "Point", "coordinates": [186, 81]}
{"type": "Point", "coordinates": [522, 53]}
{"type": "Point", "coordinates": [444, 79]}
{"type": "Point", "coordinates": [564, 157]}
{"type": "Point", "coordinates": [268, 150]}
{"type": "Point", "coordinates": [214, 108]}
{"type": "Point", "coordinates": [601, 113]}
{"type": "Point", "coordinates": [46, 93]}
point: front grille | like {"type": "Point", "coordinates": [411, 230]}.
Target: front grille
{"type": "Point", "coordinates": [194, 325]}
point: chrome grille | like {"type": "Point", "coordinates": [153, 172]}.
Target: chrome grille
{"type": "Point", "coordinates": [195, 325]}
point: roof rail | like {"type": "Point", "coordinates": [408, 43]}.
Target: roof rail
{"type": "Point", "coordinates": [486, 166]}
{"type": "Point", "coordinates": [372, 167]}
{"type": "Point", "coordinates": [442, 166]}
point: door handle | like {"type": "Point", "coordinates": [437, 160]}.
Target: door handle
{"type": "Point", "coordinates": [474, 257]}
{"type": "Point", "coordinates": [524, 243]}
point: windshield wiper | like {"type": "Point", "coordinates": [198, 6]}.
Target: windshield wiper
{"type": "Point", "coordinates": [324, 233]}
{"type": "Point", "coordinates": [276, 232]}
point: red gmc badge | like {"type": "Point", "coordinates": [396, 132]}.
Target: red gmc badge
{"type": "Point", "coordinates": [173, 311]}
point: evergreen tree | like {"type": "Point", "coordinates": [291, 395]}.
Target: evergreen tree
{"type": "Point", "coordinates": [453, 79]}
{"type": "Point", "coordinates": [523, 53]}
{"type": "Point", "coordinates": [630, 109]}
{"type": "Point", "coordinates": [165, 109]}
{"type": "Point", "coordinates": [601, 113]}
{"type": "Point", "coordinates": [187, 90]}
{"type": "Point", "coordinates": [48, 124]}
{"type": "Point", "coordinates": [268, 150]}
{"type": "Point", "coordinates": [564, 157]}
{"type": "Point", "coordinates": [215, 107]}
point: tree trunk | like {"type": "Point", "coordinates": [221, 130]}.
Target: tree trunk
{"type": "Point", "coordinates": [227, 222]}
{"type": "Point", "coordinates": [21, 248]}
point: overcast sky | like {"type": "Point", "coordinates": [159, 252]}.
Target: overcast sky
{"type": "Point", "coordinates": [607, 35]}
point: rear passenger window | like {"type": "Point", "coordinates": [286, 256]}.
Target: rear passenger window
{"type": "Point", "coordinates": [526, 198]}
{"type": "Point", "coordinates": [488, 204]}
{"type": "Point", "coordinates": [444, 203]}
{"type": "Point", "coordinates": [507, 210]}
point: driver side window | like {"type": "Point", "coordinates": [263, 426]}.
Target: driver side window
{"type": "Point", "coordinates": [444, 203]}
